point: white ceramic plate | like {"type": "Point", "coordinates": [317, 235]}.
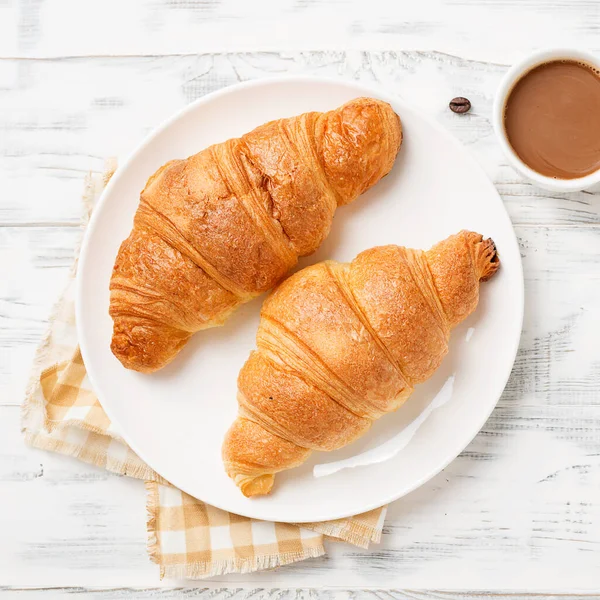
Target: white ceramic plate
{"type": "Point", "coordinates": [175, 419]}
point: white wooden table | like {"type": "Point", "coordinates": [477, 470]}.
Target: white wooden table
{"type": "Point", "coordinates": [81, 80]}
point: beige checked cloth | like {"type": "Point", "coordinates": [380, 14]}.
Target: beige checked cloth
{"type": "Point", "coordinates": [186, 537]}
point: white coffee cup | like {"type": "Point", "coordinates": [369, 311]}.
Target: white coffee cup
{"type": "Point", "coordinates": [506, 85]}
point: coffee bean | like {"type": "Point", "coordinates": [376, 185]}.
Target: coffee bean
{"type": "Point", "coordinates": [460, 105]}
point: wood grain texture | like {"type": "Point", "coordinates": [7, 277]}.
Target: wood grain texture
{"type": "Point", "coordinates": [494, 30]}
{"type": "Point", "coordinates": [92, 110]}
{"type": "Point", "coordinates": [251, 593]}
{"type": "Point", "coordinates": [520, 508]}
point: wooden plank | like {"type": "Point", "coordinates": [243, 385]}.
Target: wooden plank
{"type": "Point", "coordinates": [556, 364]}
{"type": "Point", "coordinates": [34, 266]}
{"type": "Point", "coordinates": [104, 107]}
{"type": "Point", "coordinates": [62, 517]}
{"type": "Point", "coordinates": [519, 508]}
{"type": "Point", "coordinates": [209, 593]}
{"type": "Point", "coordinates": [108, 27]}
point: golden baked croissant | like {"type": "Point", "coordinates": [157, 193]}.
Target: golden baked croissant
{"type": "Point", "coordinates": [341, 344]}
{"type": "Point", "coordinates": [219, 228]}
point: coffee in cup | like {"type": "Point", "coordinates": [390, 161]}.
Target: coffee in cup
{"type": "Point", "coordinates": [551, 119]}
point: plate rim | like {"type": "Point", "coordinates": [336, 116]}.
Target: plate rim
{"type": "Point", "coordinates": [370, 89]}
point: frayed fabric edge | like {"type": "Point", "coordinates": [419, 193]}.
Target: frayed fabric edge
{"type": "Point", "coordinates": [203, 570]}
{"type": "Point", "coordinates": [152, 542]}
{"type": "Point", "coordinates": [98, 459]}
{"type": "Point", "coordinates": [354, 533]}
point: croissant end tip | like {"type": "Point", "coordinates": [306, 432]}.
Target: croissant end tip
{"type": "Point", "coordinates": [256, 486]}
{"type": "Point", "coordinates": [489, 261]}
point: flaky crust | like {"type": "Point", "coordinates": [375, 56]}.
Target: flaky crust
{"type": "Point", "coordinates": [217, 229]}
{"type": "Point", "coordinates": [339, 345]}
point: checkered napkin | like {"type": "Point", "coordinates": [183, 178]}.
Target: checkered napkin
{"type": "Point", "coordinates": [186, 537]}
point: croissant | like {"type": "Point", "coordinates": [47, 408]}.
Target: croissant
{"type": "Point", "coordinates": [340, 345]}
{"type": "Point", "coordinates": [219, 228]}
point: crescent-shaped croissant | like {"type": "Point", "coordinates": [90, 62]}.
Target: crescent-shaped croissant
{"type": "Point", "coordinates": [340, 345]}
{"type": "Point", "coordinates": [219, 228]}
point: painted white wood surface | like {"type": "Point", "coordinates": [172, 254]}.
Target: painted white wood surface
{"type": "Point", "coordinates": [247, 593]}
{"type": "Point", "coordinates": [520, 508]}
{"type": "Point", "coordinates": [495, 30]}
